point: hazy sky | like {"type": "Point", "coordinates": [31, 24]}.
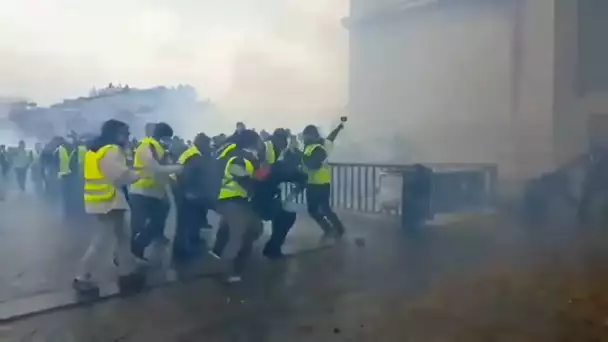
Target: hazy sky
{"type": "Point", "coordinates": [242, 53]}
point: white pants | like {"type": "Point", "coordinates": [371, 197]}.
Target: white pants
{"type": "Point", "coordinates": [112, 239]}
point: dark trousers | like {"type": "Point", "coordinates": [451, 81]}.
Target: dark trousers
{"type": "Point", "coordinates": [317, 200]}
{"type": "Point", "coordinates": [281, 225]}
{"type": "Point", "coordinates": [21, 175]}
{"type": "Point", "coordinates": [148, 217]}
{"type": "Point", "coordinates": [78, 194]}
{"type": "Point", "coordinates": [191, 217]}
{"type": "Point", "coordinates": [68, 196]}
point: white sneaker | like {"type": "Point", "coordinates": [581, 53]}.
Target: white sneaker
{"type": "Point", "coordinates": [141, 263]}
{"type": "Point", "coordinates": [215, 256]}
{"type": "Point", "coordinates": [327, 240]}
{"type": "Point", "coordinates": [84, 283]}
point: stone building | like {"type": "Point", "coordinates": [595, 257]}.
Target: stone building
{"type": "Point", "coordinates": [521, 83]}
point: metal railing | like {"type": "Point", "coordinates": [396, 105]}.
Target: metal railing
{"type": "Point", "coordinates": [463, 189]}
{"type": "Point", "coordinates": [362, 187]}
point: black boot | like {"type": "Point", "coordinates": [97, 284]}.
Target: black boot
{"type": "Point", "coordinates": [132, 283]}
{"type": "Point", "coordinates": [272, 253]}
{"type": "Point", "coordinates": [336, 224]}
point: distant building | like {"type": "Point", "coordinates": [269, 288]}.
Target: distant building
{"type": "Point", "coordinates": [522, 83]}
{"type": "Point", "coordinates": [7, 103]}
{"type": "Point", "coordinates": [134, 106]}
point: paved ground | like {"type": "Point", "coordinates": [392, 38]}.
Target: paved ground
{"type": "Point", "coordinates": [334, 294]}
{"type": "Point", "coordinates": [380, 284]}
{"type": "Point", "coordinates": [40, 252]}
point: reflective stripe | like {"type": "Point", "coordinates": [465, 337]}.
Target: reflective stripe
{"type": "Point", "coordinates": [192, 151]}
{"type": "Point", "coordinates": [225, 151]}
{"type": "Point", "coordinates": [230, 187]}
{"type": "Point", "coordinates": [187, 154]}
{"type": "Point", "coordinates": [322, 175]}
{"type": "Point", "coordinates": [271, 156]}
{"type": "Point", "coordinates": [96, 187]}
{"type": "Point", "coordinates": [64, 160]}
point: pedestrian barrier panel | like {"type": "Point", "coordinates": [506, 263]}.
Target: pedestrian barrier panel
{"type": "Point", "coordinates": [378, 188]}
{"type": "Point", "coordinates": [463, 189]}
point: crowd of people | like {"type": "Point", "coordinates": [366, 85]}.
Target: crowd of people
{"type": "Point", "coordinates": [104, 178]}
{"type": "Point", "coordinates": [16, 163]}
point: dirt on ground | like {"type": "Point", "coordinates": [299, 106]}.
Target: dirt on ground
{"type": "Point", "coordinates": [482, 280]}
{"type": "Point", "coordinates": [559, 294]}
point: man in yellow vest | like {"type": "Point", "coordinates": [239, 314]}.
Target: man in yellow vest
{"type": "Point", "coordinates": [274, 146]}
{"type": "Point", "coordinates": [67, 174]}
{"type": "Point", "coordinates": [318, 188]}
{"type": "Point", "coordinates": [105, 173]}
{"type": "Point", "coordinates": [148, 196]}
{"type": "Point", "coordinates": [190, 202]}
{"type": "Point", "coordinates": [239, 226]}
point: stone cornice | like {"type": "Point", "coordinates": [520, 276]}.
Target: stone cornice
{"type": "Point", "coordinates": [401, 8]}
{"type": "Point", "coordinates": [387, 12]}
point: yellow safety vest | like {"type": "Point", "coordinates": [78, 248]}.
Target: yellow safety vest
{"type": "Point", "coordinates": [96, 187]}
{"type": "Point", "coordinates": [64, 160]}
{"type": "Point", "coordinates": [322, 175]}
{"type": "Point", "coordinates": [230, 188]}
{"type": "Point", "coordinates": [187, 154]}
{"type": "Point", "coordinates": [146, 180]}
{"type": "Point", "coordinates": [271, 156]}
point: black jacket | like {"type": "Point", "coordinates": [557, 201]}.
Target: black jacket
{"type": "Point", "coordinates": [190, 182]}
{"type": "Point", "coordinates": [267, 196]}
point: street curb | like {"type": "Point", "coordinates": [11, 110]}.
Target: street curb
{"type": "Point", "coordinates": [22, 308]}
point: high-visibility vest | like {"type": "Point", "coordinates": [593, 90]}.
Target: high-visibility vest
{"type": "Point", "coordinates": [230, 187]}
{"type": "Point", "coordinates": [96, 187]}
{"type": "Point", "coordinates": [322, 175]}
{"type": "Point", "coordinates": [187, 154]}
{"type": "Point", "coordinates": [65, 159]}
{"type": "Point", "coordinates": [146, 180]}
{"type": "Point", "coordinates": [271, 156]}
{"type": "Point", "coordinates": [224, 149]}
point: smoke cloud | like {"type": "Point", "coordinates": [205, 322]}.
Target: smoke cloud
{"type": "Point", "coordinates": [265, 62]}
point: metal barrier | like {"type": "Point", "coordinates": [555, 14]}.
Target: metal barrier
{"type": "Point", "coordinates": [374, 188]}
{"type": "Point", "coordinates": [465, 189]}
